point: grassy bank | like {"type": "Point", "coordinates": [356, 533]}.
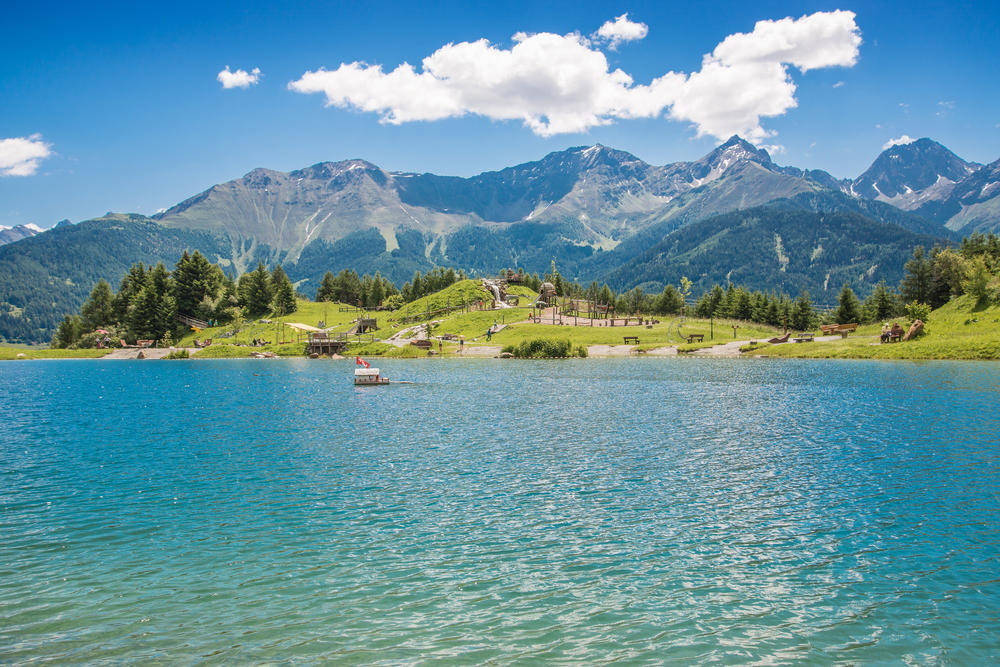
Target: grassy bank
{"type": "Point", "coordinates": [960, 329]}
{"type": "Point", "coordinates": [226, 351]}
{"type": "Point", "coordinates": [11, 353]}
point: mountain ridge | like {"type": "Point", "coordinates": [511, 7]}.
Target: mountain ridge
{"type": "Point", "coordinates": [595, 210]}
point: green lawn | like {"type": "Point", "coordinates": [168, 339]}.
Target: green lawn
{"type": "Point", "coordinates": [472, 325]}
{"type": "Point", "coordinates": [8, 353]}
{"type": "Point", "coordinates": [227, 351]}
{"type": "Point", "coordinates": [659, 335]}
{"type": "Point", "coordinates": [957, 330]}
{"type": "Point", "coordinates": [308, 312]}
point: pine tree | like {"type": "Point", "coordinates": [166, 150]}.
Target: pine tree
{"type": "Point", "coordinates": [327, 290]}
{"type": "Point", "coordinates": [417, 285]}
{"type": "Point", "coordinates": [802, 316]}
{"type": "Point", "coordinates": [848, 309]}
{"type": "Point", "coordinates": [881, 304]}
{"type": "Point", "coordinates": [918, 279]}
{"type": "Point", "coordinates": [377, 293]}
{"type": "Point", "coordinates": [132, 283]}
{"type": "Point", "coordinates": [744, 306]}
{"type": "Point", "coordinates": [284, 293]}
{"type": "Point", "coordinates": [166, 307]}
{"type": "Point", "coordinates": [256, 295]}
{"type": "Point", "coordinates": [98, 310]}
{"type": "Point", "coordinates": [144, 314]}
{"type": "Point", "coordinates": [195, 278]}
{"type": "Point", "coordinates": [68, 331]}
{"type": "Point", "coordinates": [669, 301]}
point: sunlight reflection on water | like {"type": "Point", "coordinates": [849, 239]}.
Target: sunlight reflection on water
{"type": "Point", "coordinates": [686, 511]}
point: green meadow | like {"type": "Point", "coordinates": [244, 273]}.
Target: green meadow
{"type": "Point", "coordinates": [8, 353]}
{"type": "Point", "coordinates": [960, 329]}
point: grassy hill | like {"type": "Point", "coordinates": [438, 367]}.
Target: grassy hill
{"type": "Point", "coordinates": [960, 329]}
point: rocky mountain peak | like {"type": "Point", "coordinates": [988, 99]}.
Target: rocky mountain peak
{"type": "Point", "coordinates": [18, 232]}
{"type": "Point", "coordinates": [911, 174]}
{"type": "Point", "coordinates": [733, 151]}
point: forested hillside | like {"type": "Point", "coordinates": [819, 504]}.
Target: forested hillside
{"type": "Point", "coordinates": [776, 248]}
{"type": "Point", "coordinates": [47, 276]}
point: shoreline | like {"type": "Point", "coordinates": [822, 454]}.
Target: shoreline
{"type": "Point", "coordinates": [728, 350]}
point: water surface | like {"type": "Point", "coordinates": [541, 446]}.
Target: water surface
{"type": "Point", "coordinates": [639, 510]}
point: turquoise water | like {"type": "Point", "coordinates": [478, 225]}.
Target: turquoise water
{"type": "Point", "coordinates": [637, 510]}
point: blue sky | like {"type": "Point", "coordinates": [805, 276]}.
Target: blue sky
{"type": "Point", "coordinates": [126, 102]}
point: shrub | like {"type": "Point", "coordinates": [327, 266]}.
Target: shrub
{"type": "Point", "coordinates": [917, 311]}
{"type": "Point", "coordinates": [542, 348]}
{"type": "Point", "coordinates": [178, 354]}
{"type": "Point", "coordinates": [394, 302]}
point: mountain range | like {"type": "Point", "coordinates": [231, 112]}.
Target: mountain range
{"type": "Point", "coordinates": [600, 213]}
{"type": "Point", "coordinates": [18, 232]}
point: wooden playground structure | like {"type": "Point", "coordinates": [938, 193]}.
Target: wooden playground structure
{"type": "Point", "coordinates": [583, 312]}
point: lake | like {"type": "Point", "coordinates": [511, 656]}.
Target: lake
{"type": "Point", "coordinates": [682, 511]}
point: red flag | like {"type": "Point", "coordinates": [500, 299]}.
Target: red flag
{"type": "Point", "coordinates": [360, 362]}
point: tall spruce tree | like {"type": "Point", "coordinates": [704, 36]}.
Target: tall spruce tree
{"type": "Point", "coordinates": [882, 304]}
{"type": "Point", "coordinates": [154, 309]}
{"type": "Point", "coordinates": [327, 290]}
{"type": "Point", "coordinates": [802, 316]}
{"type": "Point", "coordinates": [848, 309]}
{"type": "Point", "coordinates": [132, 283]}
{"type": "Point", "coordinates": [284, 293]}
{"type": "Point", "coordinates": [918, 278]}
{"type": "Point", "coordinates": [194, 279]}
{"type": "Point", "coordinates": [98, 310]}
{"type": "Point", "coordinates": [256, 294]}
{"type": "Point", "coordinates": [68, 331]}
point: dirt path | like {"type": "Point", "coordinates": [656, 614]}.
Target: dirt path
{"type": "Point", "coordinates": [730, 349]}
{"type": "Point", "coordinates": [610, 350]}
{"type": "Point", "coordinates": [480, 351]}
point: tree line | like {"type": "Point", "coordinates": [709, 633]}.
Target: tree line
{"type": "Point", "coordinates": [149, 299]}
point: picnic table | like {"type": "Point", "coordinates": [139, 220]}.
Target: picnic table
{"type": "Point", "coordinates": [633, 339]}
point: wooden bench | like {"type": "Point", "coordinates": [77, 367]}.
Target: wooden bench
{"type": "Point", "coordinates": [842, 329]}
{"type": "Point", "coordinates": [895, 337]}
{"type": "Point", "coordinates": [633, 339]}
{"type": "Point", "coordinates": [804, 338]}
{"type": "Point", "coordinates": [144, 343]}
{"type": "Point", "coordinates": [695, 337]}
{"type": "Point", "coordinates": [423, 344]}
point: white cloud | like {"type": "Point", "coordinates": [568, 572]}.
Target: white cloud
{"type": "Point", "coordinates": [621, 30]}
{"type": "Point", "coordinates": [238, 79]}
{"type": "Point", "coordinates": [559, 83]}
{"type": "Point", "coordinates": [901, 141]}
{"type": "Point", "coordinates": [839, 84]}
{"type": "Point", "coordinates": [19, 156]}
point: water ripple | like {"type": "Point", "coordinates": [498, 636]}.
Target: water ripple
{"type": "Point", "coordinates": [665, 511]}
